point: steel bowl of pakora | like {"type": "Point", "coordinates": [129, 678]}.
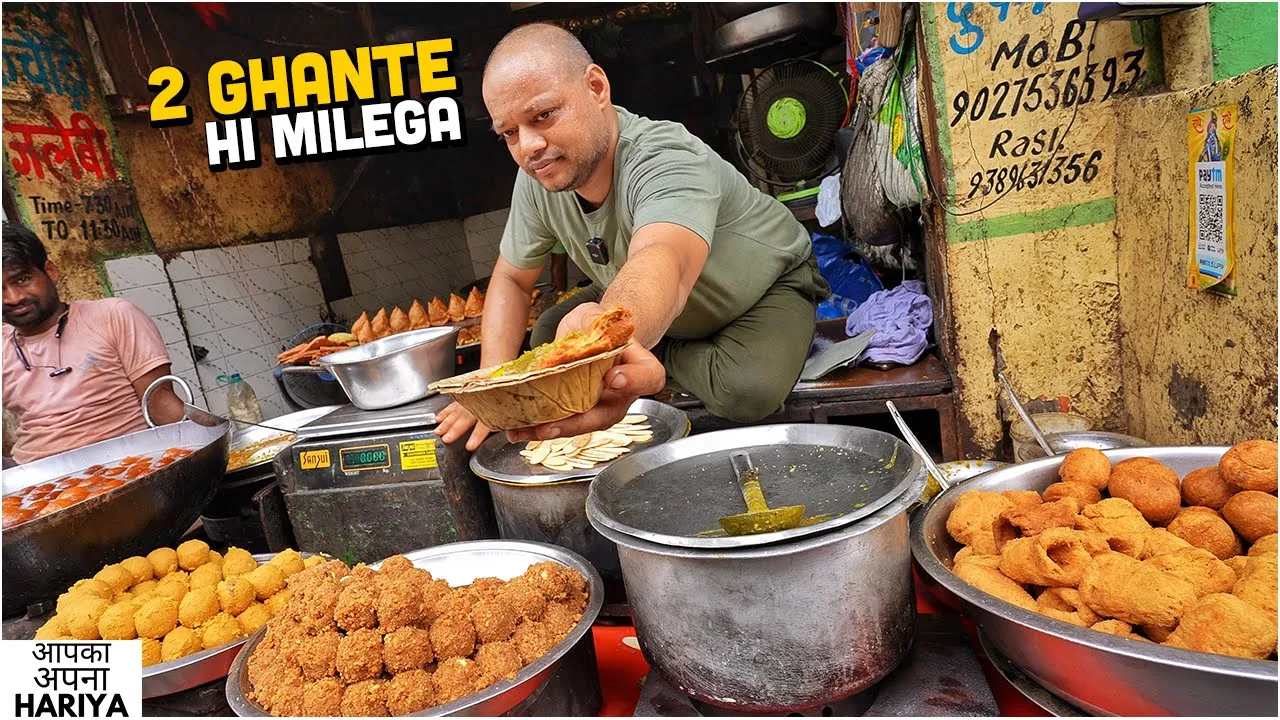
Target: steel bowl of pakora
{"type": "Point", "coordinates": [1137, 581]}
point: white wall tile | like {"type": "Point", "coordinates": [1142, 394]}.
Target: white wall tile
{"type": "Point", "coordinates": [182, 267]}
{"type": "Point", "coordinates": [223, 287]}
{"type": "Point", "coordinates": [135, 272]}
{"type": "Point", "coordinates": [190, 293]}
{"type": "Point", "coordinates": [217, 399]}
{"type": "Point", "coordinates": [170, 327]}
{"type": "Point", "coordinates": [346, 309]}
{"type": "Point", "coordinates": [213, 343]}
{"type": "Point", "coordinates": [153, 300]}
{"type": "Point", "coordinates": [212, 261]}
{"type": "Point", "coordinates": [199, 320]}
{"type": "Point", "coordinates": [232, 313]}
{"type": "Point", "coordinates": [260, 255]}
{"type": "Point", "coordinates": [181, 363]}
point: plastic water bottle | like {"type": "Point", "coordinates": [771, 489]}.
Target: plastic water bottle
{"type": "Point", "coordinates": [242, 401]}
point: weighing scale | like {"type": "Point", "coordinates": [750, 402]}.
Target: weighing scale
{"type": "Point", "coordinates": [361, 485]}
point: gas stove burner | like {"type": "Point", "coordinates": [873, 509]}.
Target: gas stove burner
{"type": "Point", "coordinates": [940, 677]}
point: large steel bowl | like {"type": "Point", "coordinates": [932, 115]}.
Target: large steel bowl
{"type": "Point", "coordinates": [395, 370]}
{"type": "Point", "coordinates": [1099, 673]}
{"type": "Point", "coordinates": [562, 682]}
{"type": "Point", "coordinates": [44, 556]}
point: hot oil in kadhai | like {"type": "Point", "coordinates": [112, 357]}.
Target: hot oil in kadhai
{"type": "Point", "coordinates": [688, 497]}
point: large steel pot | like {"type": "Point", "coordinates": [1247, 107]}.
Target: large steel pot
{"type": "Point", "coordinates": [779, 627]}
{"type": "Point", "coordinates": [395, 370]}
{"type": "Point", "coordinates": [1099, 673]}
{"type": "Point", "coordinates": [44, 556]}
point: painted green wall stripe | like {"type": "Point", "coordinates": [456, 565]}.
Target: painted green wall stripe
{"type": "Point", "coordinates": [933, 50]}
{"type": "Point", "coordinates": [1078, 215]}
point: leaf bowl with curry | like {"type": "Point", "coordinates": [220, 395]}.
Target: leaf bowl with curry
{"type": "Point", "coordinates": [548, 383]}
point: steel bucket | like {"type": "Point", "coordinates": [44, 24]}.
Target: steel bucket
{"type": "Point", "coordinates": [1098, 673]}
{"type": "Point", "coordinates": [44, 556]}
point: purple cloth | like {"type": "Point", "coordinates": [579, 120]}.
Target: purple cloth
{"type": "Point", "coordinates": [901, 318]}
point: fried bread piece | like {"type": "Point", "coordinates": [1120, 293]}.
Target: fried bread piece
{"type": "Point", "coordinates": [1251, 466]}
{"type": "Point", "coordinates": [1226, 625]}
{"type": "Point", "coordinates": [1116, 586]}
{"type": "Point", "coordinates": [972, 520]}
{"type": "Point", "coordinates": [610, 330]}
{"type": "Point", "coordinates": [1056, 557]}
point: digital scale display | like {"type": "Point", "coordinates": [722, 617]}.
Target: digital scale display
{"type": "Point", "coordinates": [367, 457]}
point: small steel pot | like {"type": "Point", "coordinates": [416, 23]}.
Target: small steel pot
{"type": "Point", "coordinates": [1063, 443]}
{"type": "Point", "coordinates": [780, 627]}
{"type": "Point", "coordinates": [395, 370]}
{"type": "Point", "coordinates": [555, 513]}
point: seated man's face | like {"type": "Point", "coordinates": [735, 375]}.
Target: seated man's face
{"type": "Point", "coordinates": [30, 296]}
{"type": "Point", "coordinates": [553, 125]}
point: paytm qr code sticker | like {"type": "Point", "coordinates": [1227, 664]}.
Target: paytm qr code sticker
{"type": "Point", "coordinates": [1211, 152]}
{"type": "Point", "coordinates": [46, 679]}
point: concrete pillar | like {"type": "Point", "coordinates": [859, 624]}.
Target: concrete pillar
{"type": "Point", "coordinates": [1188, 49]}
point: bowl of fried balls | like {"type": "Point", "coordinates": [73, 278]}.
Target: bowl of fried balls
{"type": "Point", "coordinates": [1122, 543]}
{"type": "Point", "coordinates": [179, 602]}
{"type": "Point", "coordinates": [360, 642]}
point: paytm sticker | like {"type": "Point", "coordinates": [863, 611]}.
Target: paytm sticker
{"type": "Point", "coordinates": [48, 679]}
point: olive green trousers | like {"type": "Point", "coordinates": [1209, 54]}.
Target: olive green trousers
{"type": "Point", "coordinates": [745, 371]}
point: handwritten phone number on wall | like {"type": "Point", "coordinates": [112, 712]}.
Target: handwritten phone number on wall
{"type": "Point", "coordinates": [1049, 90]}
{"type": "Point", "coordinates": [1053, 171]}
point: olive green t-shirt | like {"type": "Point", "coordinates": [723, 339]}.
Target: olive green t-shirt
{"type": "Point", "coordinates": [664, 174]}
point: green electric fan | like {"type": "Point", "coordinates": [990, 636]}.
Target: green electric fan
{"type": "Point", "coordinates": [786, 123]}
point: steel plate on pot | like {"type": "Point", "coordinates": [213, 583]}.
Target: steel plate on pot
{"type": "Point", "coordinates": [500, 461]}
{"type": "Point", "coordinates": [1100, 673]}
{"type": "Point", "coordinates": [675, 494]}
{"type": "Point", "coordinates": [461, 564]}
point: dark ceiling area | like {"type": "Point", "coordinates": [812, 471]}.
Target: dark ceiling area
{"type": "Point", "coordinates": [653, 53]}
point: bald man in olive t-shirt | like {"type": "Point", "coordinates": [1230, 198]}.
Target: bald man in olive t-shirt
{"type": "Point", "coordinates": [719, 277]}
{"type": "Point", "coordinates": [741, 341]}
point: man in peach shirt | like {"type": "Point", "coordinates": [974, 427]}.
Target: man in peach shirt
{"type": "Point", "coordinates": [73, 373]}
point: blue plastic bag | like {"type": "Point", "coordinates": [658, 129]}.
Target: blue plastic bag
{"type": "Point", "coordinates": [851, 279]}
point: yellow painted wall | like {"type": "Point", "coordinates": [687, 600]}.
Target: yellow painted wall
{"type": "Point", "coordinates": [1197, 368]}
{"type": "Point", "coordinates": [1030, 283]}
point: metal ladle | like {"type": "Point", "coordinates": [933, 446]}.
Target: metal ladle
{"type": "Point", "coordinates": [758, 518]}
{"type": "Point", "coordinates": [1026, 417]}
{"type": "Point", "coordinates": [910, 437]}
{"type": "Point", "coordinates": [195, 414]}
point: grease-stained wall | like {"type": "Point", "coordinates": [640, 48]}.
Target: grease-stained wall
{"type": "Point", "coordinates": [1198, 368]}
{"type": "Point", "coordinates": [1026, 138]}
{"type": "Point", "coordinates": [62, 163]}
{"type": "Point", "coordinates": [1072, 283]}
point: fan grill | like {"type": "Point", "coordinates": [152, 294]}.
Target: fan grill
{"type": "Point", "coordinates": [788, 117]}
